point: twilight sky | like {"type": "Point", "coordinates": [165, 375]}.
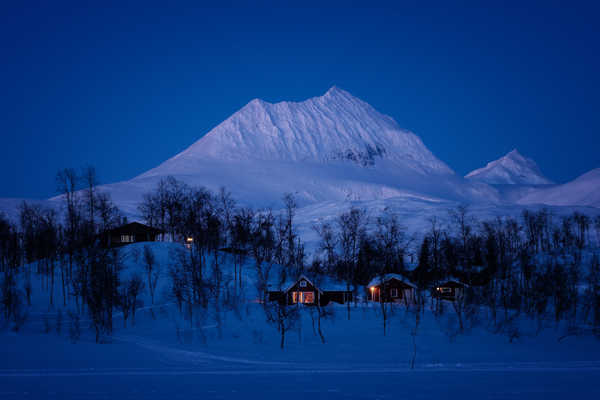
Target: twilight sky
{"type": "Point", "coordinates": [124, 87]}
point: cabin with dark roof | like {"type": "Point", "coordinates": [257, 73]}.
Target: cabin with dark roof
{"type": "Point", "coordinates": [304, 291]}
{"type": "Point", "coordinates": [132, 232]}
{"type": "Point", "coordinates": [451, 289]}
{"type": "Point", "coordinates": [391, 288]}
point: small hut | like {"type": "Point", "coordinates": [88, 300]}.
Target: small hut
{"type": "Point", "coordinates": [451, 289]}
{"type": "Point", "coordinates": [391, 288]}
{"type": "Point", "coordinates": [305, 291]}
{"type": "Point", "coordinates": [130, 233]}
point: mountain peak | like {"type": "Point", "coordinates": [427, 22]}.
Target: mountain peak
{"type": "Point", "coordinates": [335, 127]}
{"type": "Point", "coordinates": [336, 91]}
{"type": "Point", "coordinates": [340, 96]}
{"type": "Point", "coordinates": [513, 168]}
{"type": "Point", "coordinates": [333, 89]}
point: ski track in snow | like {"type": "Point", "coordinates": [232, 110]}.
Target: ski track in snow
{"type": "Point", "coordinates": [307, 370]}
{"type": "Point", "coordinates": [194, 356]}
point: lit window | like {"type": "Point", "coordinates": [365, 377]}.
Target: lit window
{"type": "Point", "coordinates": [446, 290]}
{"type": "Point", "coordinates": [127, 238]}
{"type": "Point", "coordinates": [307, 297]}
{"type": "Point", "coordinates": [303, 297]}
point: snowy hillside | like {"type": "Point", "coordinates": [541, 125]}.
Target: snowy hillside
{"type": "Point", "coordinates": [585, 191]}
{"type": "Point", "coordinates": [511, 169]}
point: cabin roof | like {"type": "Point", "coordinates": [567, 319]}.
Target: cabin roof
{"type": "Point", "coordinates": [135, 228]}
{"type": "Point", "coordinates": [452, 280]}
{"type": "Point", "coordinates": [323, 284]}
{"type": "Point", "coordinates": [388, 277]}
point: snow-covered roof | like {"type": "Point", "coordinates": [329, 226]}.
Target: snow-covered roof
{"type": "Point", "coordinates": [452, 280]}
{"type": "Point", "coordinates": [387, 277]}
{"type": "Point", "coordinates": [322, 283]}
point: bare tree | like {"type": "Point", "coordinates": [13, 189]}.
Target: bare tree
{"type": "Point", "coordinates": [134, 288]}
{"type": "Point", "coordinates": [285, 317]}
{"type": "Point", "coordinates": [582, 222]}
{"type": "Point", "coordinates": [107, 212]}
{"type": "Point", "coordinates": [67, 183]}
{"type": "Point", "coordinates": [352, 228]}
{"type": "Point", "coordinates": [241, 238]}
{"type": "Point", "coordinates": [327, 244]}
{"type": "Point", "coordinates": [90, 181]}
{"type": "Point", "coordinates": [152, 272]}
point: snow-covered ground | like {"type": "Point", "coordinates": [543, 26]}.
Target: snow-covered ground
{"type": "Point", "coordinates": [167, 357]}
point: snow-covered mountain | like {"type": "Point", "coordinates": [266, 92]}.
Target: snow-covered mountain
{"type": "Point", "coordinates": [583, 191]}
{"type": "Point", "coordinates": [332, 147]}
{"type": "Point", "coordinates": [334, 127]}
{"type": "Point", "coordinates": [512, 169]}
{"type": "Point", "coordinates": [335, 150]}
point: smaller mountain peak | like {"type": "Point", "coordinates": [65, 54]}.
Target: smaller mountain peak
{"type": "Point", "coordinates": [514, 153]}
{"type": "Point", "coordinates": [513, 168]}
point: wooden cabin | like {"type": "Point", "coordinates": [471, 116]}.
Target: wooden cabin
{"type": "Point", "coordinates": [304, 291]}
{"type": "Point", "coordinates": [391, 288]}
{"type": "Point", "coordinates": [130, 233]}
{"type": "Point", "coordinates": [451, 289]}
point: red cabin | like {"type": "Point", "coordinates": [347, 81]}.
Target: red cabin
{"type": "Point", "coordinates": [305, 291]}
{"type": "Point", "coordinates": [391, 288]}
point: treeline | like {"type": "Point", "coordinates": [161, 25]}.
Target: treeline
{"type": "Point", "coordinates": [63, 247]}
{"type": "Point", "coordinates": [539, 265]}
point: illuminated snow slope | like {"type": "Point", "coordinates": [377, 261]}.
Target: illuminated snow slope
{"type": "Point", "coordinates": [513, 168]}
{"type": "Point", "coordinates": [585, 191]}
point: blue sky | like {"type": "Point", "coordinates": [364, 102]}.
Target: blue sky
{"type": "Point", "coordinates": [124, 86]}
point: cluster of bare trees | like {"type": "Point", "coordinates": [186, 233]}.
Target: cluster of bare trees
{"type": "Point", "coordinates": [63, 247]}
{"type": "Point", "coordinates": [11, 298]}
{"type": "Point", "coordinates": [355, 248]}
{"type": "Point", "coordinates": [535, 266]}
{"type": "Point", "coordinates": [213, 226]}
